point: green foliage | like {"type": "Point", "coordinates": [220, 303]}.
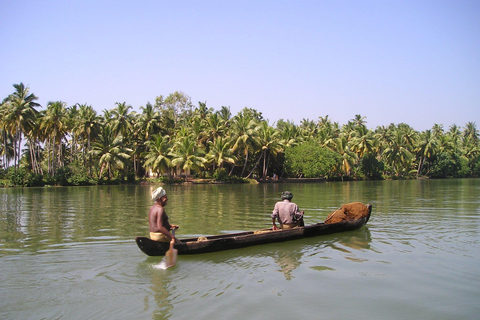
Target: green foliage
{"type": "Point", "coordinates": [172, 138]}
{"type": "Point", "coordinates": [371, 168]}
{"type": "Point", "coordinates": [446, 165]}
{"type": "Point", "coordinates": [34, 180]}
{"type": "Point", "coordinates": [17, 177]}
{"type": "Point", "coordinates": [310, 160]}
{"type": "Point", "coordinates": [474, 167]}
{"type": "Point", "coordinates": [220, 174]}
{"type": "Point", "coordinates": [72, 175]}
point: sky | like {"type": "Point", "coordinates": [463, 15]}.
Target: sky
{"type": "Point", "coordinates": [414, 62]}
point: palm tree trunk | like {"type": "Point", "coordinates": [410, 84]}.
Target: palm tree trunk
{"type": "Point", "coordinates": [255, 167]}
{"type": "Point", "coordinates": [245, 164]}
{"type": "Point", "coordinates": [420, 165]}
{"type": "Point", "coordinates": [266, 159]}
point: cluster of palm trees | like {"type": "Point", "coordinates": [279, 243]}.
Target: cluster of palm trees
{"type": "Point", "coordinates": [173, 138]}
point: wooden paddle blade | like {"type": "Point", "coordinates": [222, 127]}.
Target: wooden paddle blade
{"type": "Point", "coordinates": [170, 256]}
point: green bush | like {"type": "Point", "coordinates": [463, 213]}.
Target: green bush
{"type": "Point", "coordinates": [371, 168]}
{"type": "Point", "coordinates": [447, 165]}
{"type": "Point", "coordinates": [17, 177]}
{"type": "Point", "coordinates": [310, 160]}
{"type": "Point", "coordinates": [34, 180]}
{"type": "Point", "coordinates": [220, 175]}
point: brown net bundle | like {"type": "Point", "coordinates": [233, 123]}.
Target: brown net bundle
{"type": "Point", "coordinates": [348, 212]}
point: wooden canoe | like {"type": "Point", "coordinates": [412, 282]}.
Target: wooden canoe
{"type": "Point", "coordinates": [250, 238]}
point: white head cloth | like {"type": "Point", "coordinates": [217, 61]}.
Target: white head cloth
{"type": "Point", "coordinates": [158, 193]}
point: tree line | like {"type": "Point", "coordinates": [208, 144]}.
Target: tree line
{"type": "Point", "coordinates": [173, 140]}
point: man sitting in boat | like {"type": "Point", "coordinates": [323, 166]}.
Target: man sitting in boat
{"type": "Point", "coordinates": [287, 213]}
{"type": "Point", "coordinates": [158, 219]}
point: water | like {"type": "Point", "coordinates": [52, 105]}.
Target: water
{"type": "Point", "coordinates": [68, 253]}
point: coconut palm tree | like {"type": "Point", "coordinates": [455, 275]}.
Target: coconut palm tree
{"type": "Point", "coordinates": [383, 137]}
{"type": "Point", "coordinates": [362, 142]}
{"type": "Point", "coordinates": [309, 128]}
{"type": "Point", "coordinates": [269, 143]}
{"type": "Point", "coordinates": [149, 121]}
{"type": "Point", "coordinates": [220, 152]}
{"type": "Point", "coordinates": [427, 147]}
{"type": "Point", "coordinates": [397, 154]}
{"type": "Point", "coordinates": [122, 119]}
{"type": "Point", "coordinates": [54, 123]}
{"type": "Point", "coordinates": [187, 155]}
{"type": "Point", "coordinates": [110, 152]}
{"type": "Point", "coordinates": [157, 155]}
{"type": "Point", "coordinates": [341, 146]}
{"type": "Point", "coordinates": [243, 136]}
{"type": "Point", "coordinates": [87, 127]}
{"type": "Point", "coordinates": [215, 126]}
{"type": "Point", "coordinates": [19, 116]}
{"type": "Point", "coordinates": [470, 133]}
{"type": "Point", "coordinates": [454, 135]}
{"type": "Point", "coordinates": [225, 113]}
{"type": "Point", "coordinates": [327, 130]}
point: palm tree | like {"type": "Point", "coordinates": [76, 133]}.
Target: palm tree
{"type": "Point", "coordinates": [54, 123]}
{"type": "Point", "coordinates": [7, 143]}
{"type": "Point", "coordinates": [269, 144]}
{"type": "Point", "coordinates": [122, 119]}
{"type": "Point", "coordinates": [87, 128]}
{"type": "Point", "coordinates": [437, 130]}
{"type": "Point", "coordinates": [470, 133]}
{"type": "Point", "coordinates": [220, 152]}
{"type": "Point", "coordinates": [340, 145]}
{"type": "Point", "coordinates": [202, 111]}
{"type": "Point", "coordinates": [290, 135]}
{"type": "Point", "coordinates": [157, 158]}
{"type": "Point", "coordinates": [359, 120]}
{"type": "Point", "coordinates": [244, 136]}
{"type": "Point", "coordinates": [149, 121]}
{"type": "Point", "coordinates": [34, 137]}
{"type": "Point", "coordinates": [19, 116]}
{"type": "Point", "coordinates": [110, 151]}
{"type": "Point", "coordinates": [327, 130]}
{"type": "Point", "coordinates": [309, 128]}
{"type": "Point", "coordinates": [427, 148]}
{"type": "Point", "coordinates": [454, 135]}
{"type": "Point", "coordinates": [187, 155]}
{"type": "Point", "coordinates": [362, 142]}
{"type": "Point", "coordinates": [215, 126]}
{"type": "Point", "coordinates": [397, 154]}
{"type": "Point", "coordinates": [225, 113]}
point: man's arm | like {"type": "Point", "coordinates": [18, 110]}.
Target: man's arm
{"type": "Point", "coordinates": [275, 216]}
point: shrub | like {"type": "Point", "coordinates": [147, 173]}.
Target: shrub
{"type": "Point", "coordinates": [311, 160]}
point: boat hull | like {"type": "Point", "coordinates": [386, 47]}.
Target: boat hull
{"type": "Point", "coordinates": [246, 239]}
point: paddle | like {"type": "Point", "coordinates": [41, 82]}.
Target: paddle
{"type": "Point", "coordinates": [171, 255]}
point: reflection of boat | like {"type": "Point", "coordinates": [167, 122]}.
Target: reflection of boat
{"type": "Point", "coordinates": [250, 238]}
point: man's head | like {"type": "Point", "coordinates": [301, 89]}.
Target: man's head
{"type": "Point", "coordinates": [287, 195]}
{"type": "Point", "coordinates": [158, 193]}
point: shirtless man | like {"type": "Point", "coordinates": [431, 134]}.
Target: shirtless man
{"type": "Point", "coordinates": [158, 219]}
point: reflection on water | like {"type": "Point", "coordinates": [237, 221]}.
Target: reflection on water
{"type": "Point", "coordinates": [418, 257]}
{"type": "Point", "coordinates": [288, 261]}
{"type": "Point", "coordinates": [160, 288]}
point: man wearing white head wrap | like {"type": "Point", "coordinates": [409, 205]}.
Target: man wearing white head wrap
{"type": "Point", "coordinates": [158, 219]}
{"type": "Point", "coordinates": [158, 193]}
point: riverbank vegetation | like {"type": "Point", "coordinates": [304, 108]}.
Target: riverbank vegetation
{"type": "Point", "coordinates": [174, 140]}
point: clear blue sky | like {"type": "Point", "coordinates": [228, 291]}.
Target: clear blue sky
{"type": "Point", "coordinates": [416, 62]}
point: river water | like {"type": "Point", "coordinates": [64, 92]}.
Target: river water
{"type": "Point", "coordinates": [69, 253]}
